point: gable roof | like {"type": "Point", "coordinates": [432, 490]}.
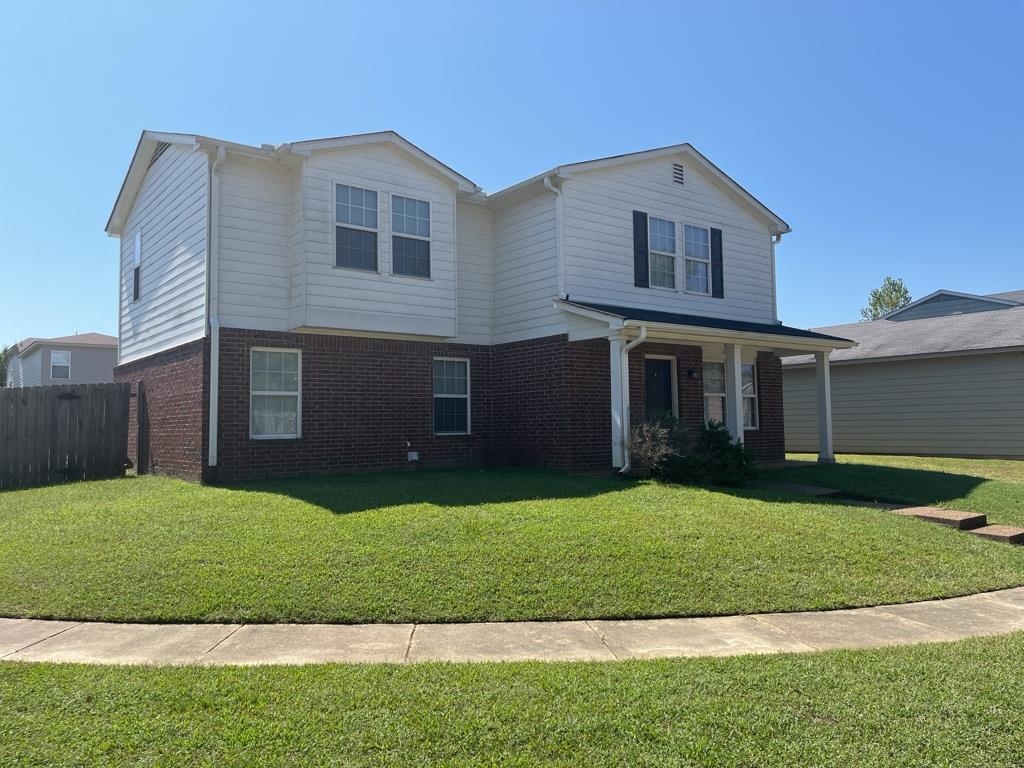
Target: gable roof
{"type": "Point", "coordinates": [1015, 296]}
{"type": "Point", "coordinates": [997, 301]}
{"type": "Point", "coordinates": [150, 141]}
{"type": "Point", "coordinates": [78, 340]}
{"type": "Point", "coordinates": [717, 175]}
{"type": "Point", "coordinates": [945, 335]}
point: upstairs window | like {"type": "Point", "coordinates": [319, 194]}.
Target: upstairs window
{"type": "Point", "coordinates": [663, 253]}
{"type": "Point", "coordinates": [697, 253]}
{"type": "Point", "coordinates": [60, 364]}
{"type": "Point", "coordinates": [451, 396]}
{"type": "Point", "coordinates": [275, 393]}
{"type": "Point", "coordinates": [355, 214]}
{"type": "Point", "coordinates": [410, 241]}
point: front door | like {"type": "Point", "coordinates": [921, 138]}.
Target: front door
{"type": "Point", "coordinates": [658, 388]}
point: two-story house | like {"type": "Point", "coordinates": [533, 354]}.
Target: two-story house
{"type": "Point", "coordinates": [355, 304]}
{"type": "Point", "coordinates": [84, 358]}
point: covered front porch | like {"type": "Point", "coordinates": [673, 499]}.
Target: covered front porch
{"type": "Point", "coordinates": [700, 368]}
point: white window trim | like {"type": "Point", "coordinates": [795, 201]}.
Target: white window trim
{"type": "Point", "coordinates": [674, 255]}
{"type": "Point", "coordinates": [675, 380]}
{"type": "Point", "coordinates": [468, 396]}
{"type": "Point", "coordinates": [335, 183]}
{"type": "Point", "coordinates": [686, 258]}
{"type": "Point", "coordinates": [66, 352]}
{"type": "Point", "coordinates": [297, 395]}
{"type": "Point", "coordinates": [394, 234]}
{"type": "Point", "coordinates": [757, 405]}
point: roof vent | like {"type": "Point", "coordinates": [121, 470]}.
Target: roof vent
{"type": "Point", "coordinates": [678, 174]}
{"type": "Point", "coordinates": [160, 149]}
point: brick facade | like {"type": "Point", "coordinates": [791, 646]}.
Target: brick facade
{"type": "Point", "coordinates": [366, 403]}
{"type": "Point", "coordinates": [167, 425]}
{"type": "Point", "coordinates": [770, 437]}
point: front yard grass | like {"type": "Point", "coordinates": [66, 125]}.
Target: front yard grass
{"type": "Point", "coordinates": [992, 486]}
{"type": "Point", "coordinates": [955, 704]}
{"type": "Point", "coordinates": [464, 545]}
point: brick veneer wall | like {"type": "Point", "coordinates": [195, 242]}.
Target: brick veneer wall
{"type": "Point", "coordinates": [690, 392]}
{"type": "Point", "coordinates": [770, 437]}
{"type": "Point", "coordinates": [365, 404]}
{"type": "Point", "coordinates": [166, 421]}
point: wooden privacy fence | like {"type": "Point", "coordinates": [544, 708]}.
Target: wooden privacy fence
{"type": "Point", "coordinates": [62, 433]}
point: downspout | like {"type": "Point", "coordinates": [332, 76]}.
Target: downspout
{"type": "Point", "coordinates": [776, 239]}
{"type": "Point", "coordinates": [559, 239]}
{"type": "Point", "coordinates": [213, 249]}
{"type": "Point", "coordinates": [624, 394]}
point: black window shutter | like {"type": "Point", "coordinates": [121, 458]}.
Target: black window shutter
{"type": "Point", "coordinates": [717, 285]}
{"type": "Point", "coordinates": [641, 275]}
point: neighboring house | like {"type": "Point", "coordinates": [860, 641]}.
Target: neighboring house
{"type": "Point", "coordinates": [85, 358]}
{"type": "Point", "coordinates": [942, 376]}
{"type": "Point", "coordinates": [353, 304]}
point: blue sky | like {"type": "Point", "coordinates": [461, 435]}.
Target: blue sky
{"type": "Point", "coordinates": [887, 134]}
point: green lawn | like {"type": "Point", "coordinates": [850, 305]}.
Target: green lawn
{"type": "Point", "coordinates": [992, 486]}
{"type": "Point", "coordinates": [463, 546]}
{"type": "Point", "coordinates": [956, 704]}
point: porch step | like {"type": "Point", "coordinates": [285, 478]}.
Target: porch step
{"type": "Point", "coordinates": [1005, 533]}
{"type": "Point", "coordinates": [796, 488]}
{"type": "Point", "coordinates": [962, 521]}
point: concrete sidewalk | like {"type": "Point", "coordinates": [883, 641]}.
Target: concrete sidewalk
{"type": "Point", "coordinates": [237, 644]}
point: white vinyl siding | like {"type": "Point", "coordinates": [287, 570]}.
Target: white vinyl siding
{"type": "Point", "coordinates": [598, 206]}
{"type": "Point", "coordinates": [968, 405]}
{"type": "Point", "coordinates": [380, 301]}
{"type": "Point", "coordinates": [255, 262]}
{"type": "Point", "coordinates": [474, 278]}
{"type": "Point", "coordinates": [26, 370]}
{"type": "Point", "coordinates": [526, 269]}
{"type": "Point", "coordinates": [170, 211]}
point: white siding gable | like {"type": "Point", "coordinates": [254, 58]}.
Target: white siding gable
{"type": "Point", "coordinates": [381, 301]}
{"type": "Point", "coordinates": [598, 208]}
{"type": "Point", "coordinates": [255, 257]}
{"type": "Point", "coordinates": [170, 212]}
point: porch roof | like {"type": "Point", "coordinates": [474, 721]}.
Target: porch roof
{"type": "Point", "coordinates": [780, 334]}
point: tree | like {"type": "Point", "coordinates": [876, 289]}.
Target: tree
{"type": "Point", "coordinates": [893, 294]}
{"type": "Point", "coordinates": [5, 358]}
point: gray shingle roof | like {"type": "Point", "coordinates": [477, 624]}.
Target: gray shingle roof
{"type": "Point", "coordinates": [929, 335]}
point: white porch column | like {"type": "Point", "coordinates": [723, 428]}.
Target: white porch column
{"type": "Point", "coordinates": [734, 391]}
{"type": "Point", "coordinates": [615, 346]}
{"type": "Point", "coordinates": [824, 380]}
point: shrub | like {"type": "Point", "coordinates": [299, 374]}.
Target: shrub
{"type": "Point", "coordinates": [650, 447]}
{"type": "Point", "coordinates": [713, 457]}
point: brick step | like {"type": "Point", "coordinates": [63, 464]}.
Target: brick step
{"type": "Point", "coordinates": [1005, 533]}
{"type": "Point", "coordinates": [962, 521]}
{"type": "Point", "coordinates": [796, 488]}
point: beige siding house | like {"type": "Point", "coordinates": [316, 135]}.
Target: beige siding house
{"type": "Point", "coordinates": [943, 376]}
{"type": "Point", "coordinates": [85, 358]}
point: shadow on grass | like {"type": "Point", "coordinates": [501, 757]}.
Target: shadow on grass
{"type": "Point", "coordinates": [344, 494]}
{"type": "Point", "coordinates": [871, 482]}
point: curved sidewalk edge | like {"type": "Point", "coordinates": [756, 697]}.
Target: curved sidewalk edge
{"type": "Point", "coordinates": [991, 613]}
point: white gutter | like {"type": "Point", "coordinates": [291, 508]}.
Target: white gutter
{"type": "Point", "coordinates": [213, 248]}
{"type": "Point", "coordinates": [624, 394]}
{"type": "Point", "coordinates": [559, 238]}
{"type": "Point", "coordinates": [776, 239]}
